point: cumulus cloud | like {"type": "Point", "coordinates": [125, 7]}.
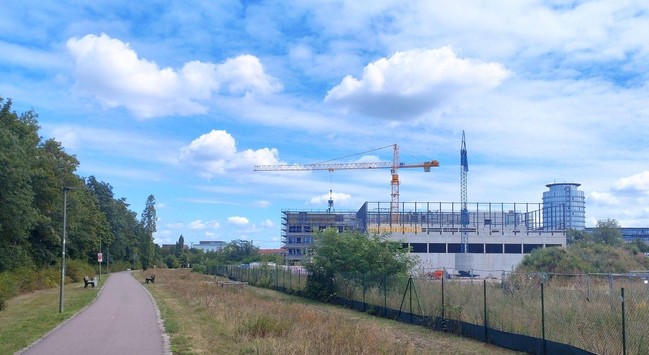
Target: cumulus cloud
{"type": "Point", "coordinates": [238, 221]}
{"type": "Point", "coordinates": [267, 223]}
{"type": "Point", "coordinates": [638, 182]}
{"type": "Point", "coordinates": [215, 152]}
{"type": "Point", "coordinates": [200, 225]}
{"type": "Point", "coordinates": [413, 82]}
{"type": "Point", "coordinates": [262, 203]}
{"type": "Point", "coordinates": [602, 198]}
{"type": "Point", "coordinates": [323, 199]}
{"type": "Point", "coordinates": [111, 71]}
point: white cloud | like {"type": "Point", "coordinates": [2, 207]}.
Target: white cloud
{"type": "Point", "coordinates": [322, 200]}
{"type": "Point", "coordinates": [111, 71]}
{"type": "Point", "coordinates": [215, 152]}
{"type": "Point", "coordinates": [603, 198]}
{"type": "Point", "coordinates": [262, 203]}
{"type": "Point", "coordinates": [238, 221]}
{"type": "Point", "coordinates": [267, 223]}
{"type": "Point", "coordinates": [413, 82]}
{"type": "Point", "coordinates": [637, 182]}
{"type": "Point", "coordinates": [200, 225]}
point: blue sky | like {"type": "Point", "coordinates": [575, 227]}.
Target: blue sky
{"type": "Point", "coordinates": [182, 99]}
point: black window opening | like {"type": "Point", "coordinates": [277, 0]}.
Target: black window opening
{"type": "Point", "coordinates": [437, 247]}
{"type": "Point", "coordinates": [513, 249]}
{"type": "Point", "coordinates": [493, 248]}
{"type": "Point", "coordinates": [454, 247]}
{"type": "Point", "coordinates": [418, 248]}
{"type": "Point", "coordinates": [476, 248]}
{"type": "Point", "coordinates": [527, 248]}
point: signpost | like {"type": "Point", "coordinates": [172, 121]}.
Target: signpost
{"type": "Point", "coordinates": [100, 258]}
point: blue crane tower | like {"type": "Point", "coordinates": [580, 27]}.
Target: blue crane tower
{"type": "Point", "coordinates": [464, 260]}
{"type": "Point", "coordinates": [464, 214]}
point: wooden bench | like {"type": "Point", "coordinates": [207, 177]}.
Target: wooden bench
{"type": "Point", "coordinates": [88, 281]}
{"type": "Point", "coordinates": [150, 279]}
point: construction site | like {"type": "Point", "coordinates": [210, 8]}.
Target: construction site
{"type": "Point", "coordinates": [485, 239]}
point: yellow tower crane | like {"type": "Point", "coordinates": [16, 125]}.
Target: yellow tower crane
{"type": "Point", "coordinates": [394, 167]}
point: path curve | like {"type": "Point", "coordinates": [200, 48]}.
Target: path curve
{"type": "Point", "coordinates": [124, 319]}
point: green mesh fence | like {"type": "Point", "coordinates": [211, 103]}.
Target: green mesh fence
{"type": "Point", "coordinates": [588, 312]}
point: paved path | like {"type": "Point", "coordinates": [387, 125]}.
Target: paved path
{"type": "Point", "coordinates": [122, 320]}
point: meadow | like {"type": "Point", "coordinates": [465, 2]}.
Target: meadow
{"type": "Point", "coordinates": [584, 311]}
{"type": "Point", "coordinates": [202, 317]}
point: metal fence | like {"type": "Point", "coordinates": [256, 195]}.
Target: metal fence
{"type": "Point", "coordinates": [534, 313]}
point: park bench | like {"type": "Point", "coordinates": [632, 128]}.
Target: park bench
{"type": "Point", "coordinates": [88, 281]}
{"type": "Point", "coordinates": [150, 279]}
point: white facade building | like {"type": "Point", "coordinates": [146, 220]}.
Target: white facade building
{"type": "Point", "coordinates": [209, 245]}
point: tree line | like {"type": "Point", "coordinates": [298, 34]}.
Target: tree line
{"type": "Point", "coordinates": [33, 174]}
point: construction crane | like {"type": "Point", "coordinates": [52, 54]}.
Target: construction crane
{"type": "Point", "coordinates": [464, 216]}
{"type": "Point", "coordinates": [394, 167]}
{"type": "Point", "coordinates": [464, 260]}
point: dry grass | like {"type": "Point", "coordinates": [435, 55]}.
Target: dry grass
{"type": "Point", "coordinates": [203, 318]}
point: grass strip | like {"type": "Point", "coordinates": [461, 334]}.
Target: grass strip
{"type": "Point", "coordinates": [29, 316]}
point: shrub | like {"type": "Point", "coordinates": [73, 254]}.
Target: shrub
{"type": "Point", "coordinates": [199, 268]}
{"type": "Point", "coordinates": [76, 270]}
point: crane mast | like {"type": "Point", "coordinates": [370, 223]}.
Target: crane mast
{"type": "Point", "coordinates": [464, 217]}
{"type": "Point", "coordinates": [394, 167]}
{"type": "Point", "coordinates": [464, 260]}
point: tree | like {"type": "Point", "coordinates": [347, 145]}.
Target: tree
{"type": "Point", "coordinates": [238, 251]}
{"type": "Point", "coordinates": [180, 246]}
{"type": "Point", "coordinates": [577, 236]}
{"type": "Point", "coordinates": [608, 232]}
{"type": "Point", "coordinates": [18, 147]}
{"type": "Point", "coordinates": [352, 255]}
{"type": "Point", "coordinates": [148, 227]}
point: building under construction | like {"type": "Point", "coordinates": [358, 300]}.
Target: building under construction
{"type": "Point", "coordinates": [499, 234]}
{"type": "Point", "coordinates": [464, 238]}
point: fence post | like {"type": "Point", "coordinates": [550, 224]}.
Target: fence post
{"type": "Point", "coordinates": [385, 295]}
{"type": "Point", "coordinates": [542, 317]}
{"type": "Point", "coordinates": [363, 292]}
{"type": "Point", "coordinates": [623, 326]}
{"type": "Point", "coordinates": [443, 313]}
{"type": "Point", "coordinates": [484, 292]}
{"type": "Point", "coordinates": [410, 289]}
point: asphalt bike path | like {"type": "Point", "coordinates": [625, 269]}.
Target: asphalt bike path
{"type": "Point", "coordinates": [123, 319]}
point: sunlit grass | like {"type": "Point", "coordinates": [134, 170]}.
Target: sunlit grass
{"type": "Point", "coordinates": [29, 316]}
{"type": "Point", "coordinates": [206, 318]}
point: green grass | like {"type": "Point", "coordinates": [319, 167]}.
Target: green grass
{"type": "Point", "coordinates": [30, 316]}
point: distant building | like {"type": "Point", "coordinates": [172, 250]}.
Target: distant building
{"type": "Point", "coordinates": [500, 234]}
{"type": "Point", "coordinates": [564, 203]}
{"type": "Point", "coordinates": [298, 228]}
{"type": "Point", "coordinates": [209, 245]}
{"type": "Point", "coordinates": [630, 234]}
{"type": "Point", "coordinates": [281, 251]}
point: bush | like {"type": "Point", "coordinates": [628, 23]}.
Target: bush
{"type": "Point", "coordinates": [120, 266]}
{"type": "Point", "coordinates": [199, 268]}
{"type": "Point", "coordinates": [26, 279]}
{"type": "Point", "coordinates": [76, 270]}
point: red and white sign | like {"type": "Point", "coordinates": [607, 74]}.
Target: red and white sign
{"type": "Point", "coordinates": [100, 257]}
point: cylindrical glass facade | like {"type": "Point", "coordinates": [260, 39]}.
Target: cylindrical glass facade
{"type": "Point", "coordinates": [564, 207]}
